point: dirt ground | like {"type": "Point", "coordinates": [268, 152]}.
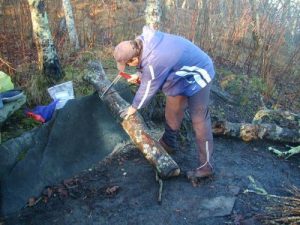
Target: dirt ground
{"type": "Point", "coordinates": [123, 190]}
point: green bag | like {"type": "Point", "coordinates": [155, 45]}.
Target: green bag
{"type": "Point", "coordinates": [5, 82]}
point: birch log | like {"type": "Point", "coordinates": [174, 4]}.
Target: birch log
{"type": "Point", "coordinates": [134, 125]}
{"type": "Point", "coordinates": [47, 55]}
{"type": "Point", "coordinates": [249, 132]}
{"type": "Point", "coordinates": [71, 24]}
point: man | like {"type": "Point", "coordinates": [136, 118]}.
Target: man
{"type": "Point", "coordinates": [184, 73]}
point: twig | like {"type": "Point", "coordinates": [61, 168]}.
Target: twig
{"type": "Point", "coordinates": [7, 64]}
{"type": "Point", "coordinates": [160, 182]}
{"type": "Point", "coordinates": [292, 151]}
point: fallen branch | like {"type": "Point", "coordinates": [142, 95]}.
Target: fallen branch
{"type": "Point", "coordinates": [249, 132]}
{"type": "Point", "coordinates": [134, 125]}
{"type": "Point", "coordinates": [4, 62]}
{"type": "Point", "coordinates": [283, 209]}
{"type": "Point", "coordinates": [223, 95]}
{"type": "Point", "coordinates": [285, 154]}
{"type": "Point", "coordinates": [160, 190]}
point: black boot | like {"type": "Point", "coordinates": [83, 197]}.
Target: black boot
{"type": "Point", "coordinates": [169, 140]}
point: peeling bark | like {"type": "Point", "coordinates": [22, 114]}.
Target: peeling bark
{"type": "Point", "coordinates": [134, 125]}
{"type": "Point", "coordinates": [47, 55]}
{"type": "Point", "coordinates": [71, 24]}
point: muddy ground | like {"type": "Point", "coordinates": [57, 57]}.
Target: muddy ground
{"type": "Point", "coordinates": [122, 190]}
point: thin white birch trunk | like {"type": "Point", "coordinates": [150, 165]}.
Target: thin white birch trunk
{"type": "Point", "coordinates": [47, 56]}
{"type": "Point", "coordinates": [171, 3]}
{"type": "Point", "coordinates": [183, 6]}
{"type": "Point", "coordinates": [71, 24]}
{"type": "Point", "coordinates": [153, 13]}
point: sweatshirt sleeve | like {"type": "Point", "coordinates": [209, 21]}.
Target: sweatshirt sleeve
{"type": "Point", "coordinates": [152, 78]}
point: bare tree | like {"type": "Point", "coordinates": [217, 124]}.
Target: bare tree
{"type": "Point", "coordinates": [153, 13]}
{"type": "Point", "coordinates": [1, 7]}
{"type": "Point", "coordinates": [71, 24]}
{"type": "Point", "coordinates": [47, 55]}
{"type": "Point", "coordinates": [184, 4]}
{"type": "Point", "coordinates": [257, 40]}
{"type": "Point", "coordinates": [171, 3]}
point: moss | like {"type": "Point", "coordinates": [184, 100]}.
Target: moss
{"type": "Point", "coordinates": [17, 124]}
{"type": "Point", "coordinates": [81, 88]}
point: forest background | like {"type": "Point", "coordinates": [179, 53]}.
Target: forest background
{"type": "Point", "coordinates": [255, 45]}
{"type": "Point", "coordinates": [253, 42]}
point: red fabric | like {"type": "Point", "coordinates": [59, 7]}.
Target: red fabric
{"type": "Point", "coordinates": [36, 117]}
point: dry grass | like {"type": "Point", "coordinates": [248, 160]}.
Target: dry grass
{"type": "Point", "coordinates": [284, 209]}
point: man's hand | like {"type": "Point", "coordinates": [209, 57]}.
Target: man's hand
{"type": "Point", "coordinates": [126, 113]}
{"type": "Point", "coordinates": [134, 79]}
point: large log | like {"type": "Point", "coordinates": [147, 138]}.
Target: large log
{"type": "Point", "coordinates": [285, 119]}
{"type": "Point", "coordinates": [249, 132]}
{"type": "Point", "coordinates": [134, 125]}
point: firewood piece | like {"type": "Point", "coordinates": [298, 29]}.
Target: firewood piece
{"type": "Point", "coordinates": [134, 125]}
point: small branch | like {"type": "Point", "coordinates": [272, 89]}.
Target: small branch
{"type": "Point", "coordinates": [223, 95]}
{"type": "Point", "coordinates": [286, 154]}
{"type": "Point", "coordinates": [7, 64]}
{"type": "Point", "coordinates": [160, 182]}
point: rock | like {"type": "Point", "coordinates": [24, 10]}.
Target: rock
{"type": "Point", "coordinates": [234, 190]}
{"type": "Point", "coordinates": [218, 206]}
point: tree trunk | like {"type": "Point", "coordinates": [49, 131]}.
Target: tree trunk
{"type": "Point", "coordinates": [71, 24]}
{"type": "Point", "coordinates": [134, 125]}
{"type": "Point", "coordinates": [47, 55]}
{"type": "Point", "coordinates": [257, 40]}
{"type": "Point", "coordinates": [153, 13]}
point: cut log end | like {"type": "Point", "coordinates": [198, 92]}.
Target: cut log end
{"type": "Point", "coordinates": [150, 148]}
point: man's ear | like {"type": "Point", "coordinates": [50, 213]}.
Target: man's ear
{"type": "Point", "coordinates": [135, 60]}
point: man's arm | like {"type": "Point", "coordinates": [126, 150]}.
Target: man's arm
{"type": "Point", "coordinates": [152, 79]}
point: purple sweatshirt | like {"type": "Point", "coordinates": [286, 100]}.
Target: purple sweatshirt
{"type": "Point", "coordinates": [172, 64]}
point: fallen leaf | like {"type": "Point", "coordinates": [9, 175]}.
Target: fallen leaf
{"type": "Point", "coordinates": [112, 190]}
{"type": "Point", "coordinates": [31, 202]}
{"type": "Point", "coordinates": [45, 200]}
{"type": "Point", "coordinates": [49, 192]}
{"type": "Point", "coordinates": [69, 182]}
{"type": "Point", "coordinates": [62, 192]}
